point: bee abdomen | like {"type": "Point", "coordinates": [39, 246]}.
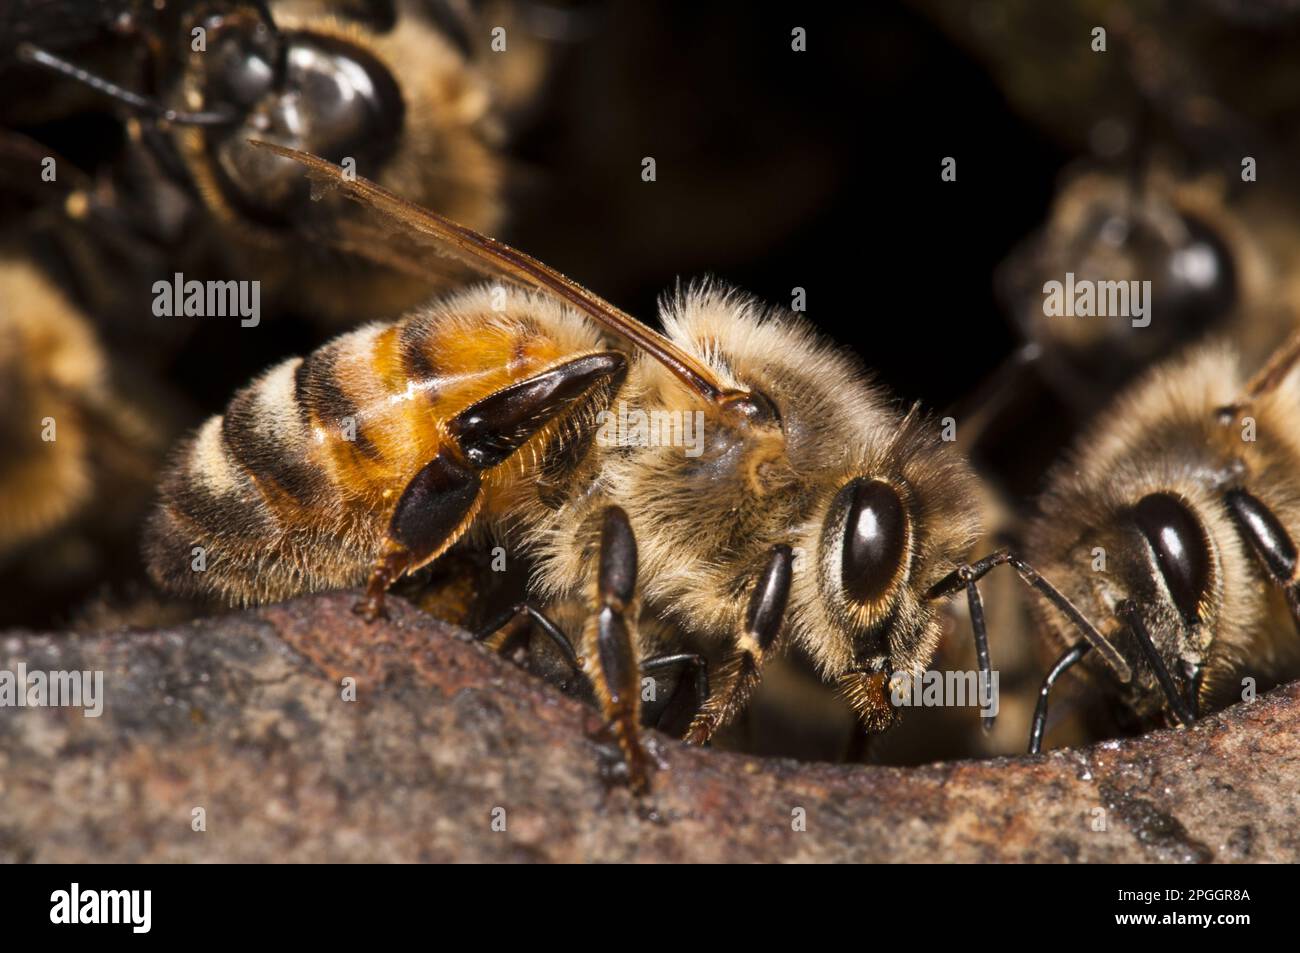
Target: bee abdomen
{"type": "Point", "coordinates": [264, 432]}
{"type": "Point", "coordinates": [242, 504]}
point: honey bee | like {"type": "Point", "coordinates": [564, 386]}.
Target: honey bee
{"type": "Point", "coordinates": [50, 359]}
{"type": "Point", "coordinates": [69, 434]}
{"type": "Point", "coordinates": [1173, 522]}
{"type": "Point", "coordinates": [215, 72]}
{"type": "Point", "coordinates": [1208, 261]}
{"type": "Point", "coordinates": [815, 513]}
{"type": "Point", "coordinates": [1179, 234]}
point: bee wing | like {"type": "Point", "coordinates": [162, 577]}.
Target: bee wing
{"type": "Point", "coordinates": [421, 228]}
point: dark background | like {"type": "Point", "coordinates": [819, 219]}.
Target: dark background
{"type": "Point", "coordinates": [778, 169]}
{"type": "Point", "coordinates": [775, 169]}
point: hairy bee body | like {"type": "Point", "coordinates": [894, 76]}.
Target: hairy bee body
{"type": "Point", "coordinates": [1189, 519]}
{"type": "Point", "coordinates": [51, 366]}
{"type": "Point", "coordinates": [76, 437]}
{"type": "Point", "coordinates": [291, 489]}
{"type": "Point", "coordinates": [703, 523]}
{"type": "Point", "coordinates": [437, 139]}
{"type": "Point", "coordinates": [734, 481]}
{"type": "Point", "coordinates": [283, 502]}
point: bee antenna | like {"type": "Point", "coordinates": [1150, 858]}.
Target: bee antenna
{"type": "Point", "coordinates": [964, 577]}
{"type": "Point", "coordinates": [37, 56]}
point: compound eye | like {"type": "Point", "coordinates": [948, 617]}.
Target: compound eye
{"type": "Point", "coordinates": [1182, 551]}
{"type": "Point", "coordinates": [334, 100]}
{"type": "Point", "coordinates": [1201, 279]}
{"type": "Point", "coordinates": [241, 64]}
{"type": "Point", "coordinates": [876, 533]}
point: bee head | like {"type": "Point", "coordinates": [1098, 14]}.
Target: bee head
{"type": "Point", "coordinates": [1163, 595]}
{"type": "Point", "coordinates": [1148, 575]}
{"type": "Point", "coordinates": [889, 532]}
{"type": "Point", "coordinates": [314, 90]}
{"type": "Point", "coordinates": [1108, 232]}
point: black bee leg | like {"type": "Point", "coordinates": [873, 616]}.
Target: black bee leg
{"type": "Point", "coordinates": [740, 673]}
{"type": "Point", "coordinates": [389, 569]}
{"type": "Point", "coordinates": [1063, 665]}
{"type": "Point", "coordinates": [610, 644]}
{"type": "Point", "coordinates": [688, 697]}
{"type": "Point", "coordinates": [433, 511]}
{"type": "Point", "coordinates": [440, 502]}
{"type": "Point", "coordinates": [976, 605]}
{"type": "Point", "coordinates": [1195, 675]}
{"type": "Point", "coordinates": [547, 627]}
{"type": "Point", "coordinates": [961, 577]}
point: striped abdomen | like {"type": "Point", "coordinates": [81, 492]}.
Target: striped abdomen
{"type": "Point", "coordinates": [291, 490]}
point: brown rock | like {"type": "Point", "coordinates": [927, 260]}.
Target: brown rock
{"type": "Point", "coordinates": [243, 716]}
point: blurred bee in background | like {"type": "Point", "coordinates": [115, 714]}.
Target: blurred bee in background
{"type": "Point", "coordinates": [1168, 126]}
{"type": "Point", "coordinates": [387, 91]}
{"type": "Point", "coordinates": [479, 414]}
{"type": "Point", "coordinates": [1102, 228]}
{"type": "Point", "coordinates": [1172, 523]}
{"type": "Point", "coordinates": [1213, 76]}
{"type": "Point", "coordinates": [52, 369]}
{"type": "Point", "coordinates": [1221, 261]}
{"type": "Point", "coordinates": [1218, 263]}
{"type": "Point", "coordinates": [81, 447]}
{"type": "Point", "coordinates": [1180, 189]}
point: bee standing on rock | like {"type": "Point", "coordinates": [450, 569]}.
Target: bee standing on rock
{"type": "Point", "coordinates": [373, 455]}
{"type": "Point", "coordinates": [1174, 524]}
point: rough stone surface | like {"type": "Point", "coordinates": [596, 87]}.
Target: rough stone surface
{"type": "Point", "coordinates": [243, 716]}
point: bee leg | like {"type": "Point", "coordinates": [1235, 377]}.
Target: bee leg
{"type": "Point", "coordinates": [432, 512]}
{"type": "Point", "coordinates": [1195, 676]}
{"type": "Point", "coordinates": [387, 571]}
{"type": "Point", "coordinates": [740, 673]}
{"type": "Point", "coordinates": [976, 605]}
{"type": "Point", "coordinates": [548, 628]}
{"type": "Point", "coordinates": [441, 500]}
{"type": "Point", "coordinates": [611, 644]}
{"type": "Point", "coordinates": [686, 699]}
{"type": "Point", "coordinates": [1063, 664]}
{"type": "Point", "coordinates": [961, 578]}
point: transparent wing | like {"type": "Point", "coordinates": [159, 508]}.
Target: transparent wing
{"type": "Point", "coordinates": [406, 233]}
